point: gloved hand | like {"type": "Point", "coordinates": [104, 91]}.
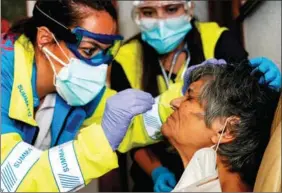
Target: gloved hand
{"type": "Point", "coordinates": [164, 180]}
{"type": "Point", "coordinates": [190, 69]}
{"type": "Point", "coordinates": [119, 111]}
{"type": "Point", "coordinates": [272, 75]}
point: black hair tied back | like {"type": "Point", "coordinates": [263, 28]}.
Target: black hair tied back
{"type": "Point", "coordinates": [58, 16]}
{"type": "Point", "coordinates": [50, 15]}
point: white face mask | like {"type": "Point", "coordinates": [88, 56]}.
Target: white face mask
{"type": "Point", "coordinates": [201, 174]}
{"type": "Point", "coordinates": [77, 82]}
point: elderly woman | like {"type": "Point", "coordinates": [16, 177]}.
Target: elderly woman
{"type": "Point", "coordinates": [220, 128]}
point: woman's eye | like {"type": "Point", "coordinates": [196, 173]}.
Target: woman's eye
{"type": "Point", "coordinates": [189, 98]}
{"type": "Point", "coordinates": [172, 9]}
{"type": "Point", "coordinates": [90, 51]}
{"type": "Point", "coordinates": [148, 13]}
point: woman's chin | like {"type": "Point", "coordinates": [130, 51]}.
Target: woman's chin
{"type": "Point", "coordinates": [166, 131]}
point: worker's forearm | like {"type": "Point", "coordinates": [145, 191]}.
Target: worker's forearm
{"type": "Point", "coordinates": [59, 169]}
{"type": "Point", "coordinates": [147, 160]}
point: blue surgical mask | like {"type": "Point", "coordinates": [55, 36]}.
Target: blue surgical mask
{"type": "Point", "coordinates": [165, 34]}
{"type": "Point", "coordinates": [77, 82]}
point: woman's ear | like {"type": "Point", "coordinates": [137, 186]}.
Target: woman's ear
{"type": "Point", "coordinates": [228, 131]}
{"type": "Point", "coordinates": [44, 36]}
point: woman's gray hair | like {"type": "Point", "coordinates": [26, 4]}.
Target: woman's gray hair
{"type": "Point", "coordinates": [233, 91]}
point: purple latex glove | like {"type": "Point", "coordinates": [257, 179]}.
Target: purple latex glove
{"type": "Point", "coordinates": [190, 69]}
{"type": "Point", "coordinates": [119, 111]}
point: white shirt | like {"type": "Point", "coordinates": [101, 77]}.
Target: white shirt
{"type": "Point", "coordinates": [44, 117]}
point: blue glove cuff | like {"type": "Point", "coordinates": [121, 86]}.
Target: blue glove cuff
{"type": "Point", "coordinates": [158, 171]}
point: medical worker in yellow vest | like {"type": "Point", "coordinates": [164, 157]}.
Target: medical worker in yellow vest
{"type": "Point", "coordinates": [171, 40]}
{"type": "Point", "coordinates": [55, 134]}
{"type": "Point", "coordinates": [57, 130]}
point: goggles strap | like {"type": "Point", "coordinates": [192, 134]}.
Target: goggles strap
{"type": "Point", "coordinates": [50, 17]}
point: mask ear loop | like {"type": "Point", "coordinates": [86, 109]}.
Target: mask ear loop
{"type": "Point", "coordinates": [47, 52]}
{"type": "Point", "coordinates": [220, 137]}
{"type": "Point", "coordinates": [52, 65]}
{"type": "Point", "coordinates": [60, 47]}
{"type": "Point", "coordinates": [52, 33]}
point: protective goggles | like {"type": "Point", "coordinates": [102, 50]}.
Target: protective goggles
{"type": "Point", "coordinates": [170, 9]}
{"type": "Point", "coordinates": [95, 49]}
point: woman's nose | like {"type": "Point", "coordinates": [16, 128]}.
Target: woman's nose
{"type": "Point", "coordinates": [175, 103]}
{"type": "Point", "coordinates": [160, 13]}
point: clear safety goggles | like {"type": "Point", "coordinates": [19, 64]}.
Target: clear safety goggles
{"type": "Point", "coordinates": [95, 49]}
{"type": "Point", "coordinates": [173, 23]}
{"type": "Point", "coordinates": [160, 9]}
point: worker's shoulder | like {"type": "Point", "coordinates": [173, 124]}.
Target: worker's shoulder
{"type": "Point", "coordinates": [131, 45]}
{"type": "Point", "coordinates": [7, 55]}
{"type": "Point", "coordinates": [131, 50]}
{"type": "Point", "coordinates": [209, 26]}
{"type": "Point", "coordinates": [7, 42]}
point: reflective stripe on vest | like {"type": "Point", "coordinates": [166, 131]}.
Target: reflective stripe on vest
{"type": "Point", "coordinates": [65, 167]}
{"type": "Point", "coordinates": [17, 165]}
